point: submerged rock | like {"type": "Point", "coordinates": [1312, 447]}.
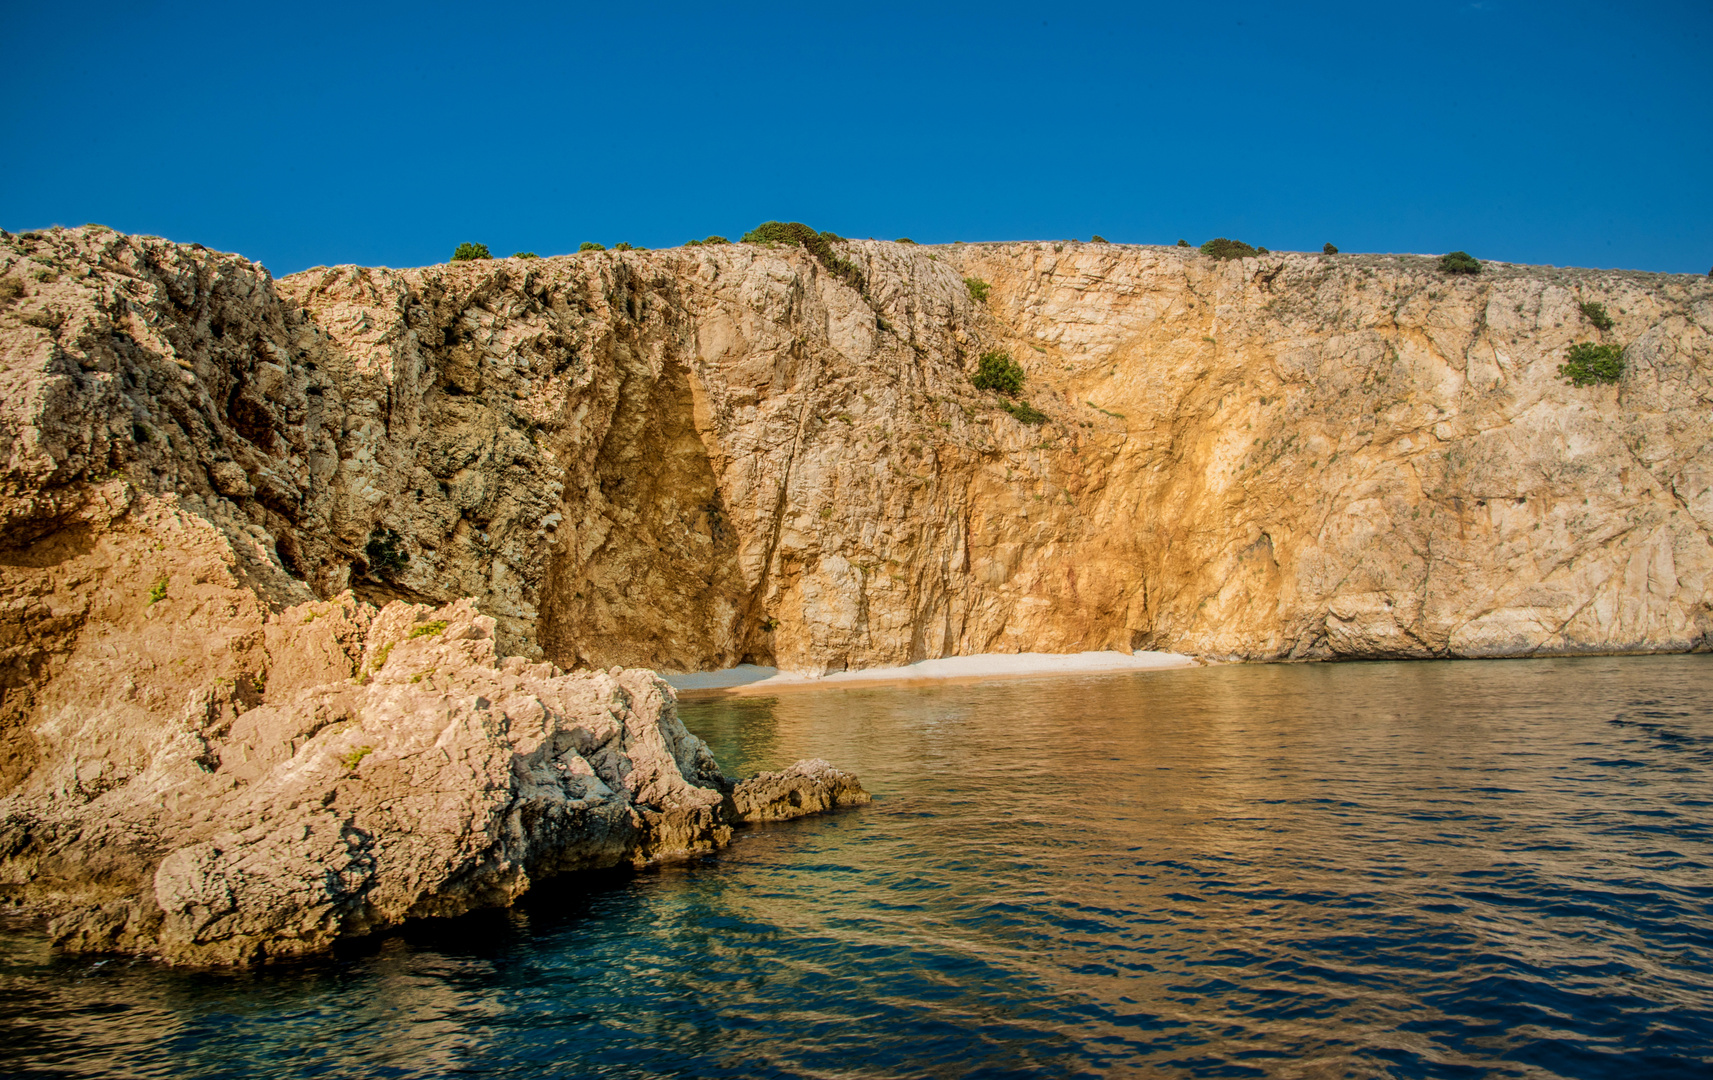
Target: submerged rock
{"type": "Point", "coordinates": [429, 780]}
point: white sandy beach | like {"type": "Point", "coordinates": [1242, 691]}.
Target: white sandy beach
{"type": "Point", "coordinates": [753, 679]}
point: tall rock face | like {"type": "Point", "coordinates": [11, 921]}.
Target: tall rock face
{"type": "Point", "coordinates": [732, 455]}
{"type": "Point", "coordinates": [689, 458]}
{"type": "Point", "coordinates": [291, 573]}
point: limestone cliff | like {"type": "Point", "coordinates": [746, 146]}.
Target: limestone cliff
{"type": "Point", "coordinates": [685, 459]}
{"type": "Point", "coordinates": [688, 458]}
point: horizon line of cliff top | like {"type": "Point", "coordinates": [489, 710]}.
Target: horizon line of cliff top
{"type": "Point", "coordinates": [797, 234]}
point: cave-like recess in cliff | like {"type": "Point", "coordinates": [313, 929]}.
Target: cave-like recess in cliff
{"type": "Point", "coordinates": [646, 571]}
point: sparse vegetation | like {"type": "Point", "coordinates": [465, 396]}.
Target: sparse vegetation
{"type": "Point", "coordinates": [769, 625]}
{"type": "Point", "coordinates": [351, 760]}
{"type": "Point", "coordinates": [1024, 412]}
{"type": "Point", "coordinates": [383, 553]}
{"type": "Point", "coordinates": [904, 240]}
{"type": "Point", "coordinates": [470, 253]}
{"type": "Point", "coordinates": [10, 289]}
{"type": "Point", "coordinates": [1328, 249]}
{"type": "Point", "coordinates": [381, 655]}
{"type": "Point", "coordinates": [433, 628]}
{"type": "Point", "coordinates": [1097, 239]}
{"type": "Point", "coordinates": [157, 592]}
{"type": "Point", "coordinates": [1588, 363]}
{"type": "Point", "coordinates": [1595, 313]}
{"type": "Point", "coordinates": [46, 319]}
{"type": "Point", "coordinates": [820, 245]}
{"type": "Point", "coordinates": [525, 255]}
{"type": "Point", "coordinates": [622, 246]}
{"type": "Point", "coordinates": [998, 372]}
{"type": "Point", "coordinates": [590, 245]}
{"type": "Point", "coordinates": [1183, 243]}
{"type": "Point", "coordinates": [1460, 262]}
{"type": "Point", "coordinates": [716, 240]}
{"type": "Point", "coordinates": [1221, 248]}
{"type": "Point", "coordinates": [978, 289]}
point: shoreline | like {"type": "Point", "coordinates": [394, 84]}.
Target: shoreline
{"type": "Point", "coordinates": [748, 680]}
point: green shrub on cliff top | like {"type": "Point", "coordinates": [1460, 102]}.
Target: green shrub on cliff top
{"type": "Point", "coordinates": [818, 244]}
{"type": "Point", "coordinates": [590, 245]}
{"type": "Point", "coordinates": [999, 373]}
{"type": "Point", "coordinates": [470, 253]}
{"type": "Point", "coordinates": [1588, 363]}
{"type": "Point", "coordinates": [1460, 262]}
{"type": "Point", "coordinates": [1221, 248]}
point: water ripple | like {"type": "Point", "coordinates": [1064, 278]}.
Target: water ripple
{"type": "Point", "coordinates": [1367, 870]}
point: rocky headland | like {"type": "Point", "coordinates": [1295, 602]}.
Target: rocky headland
{"type": "Point", "coordinates": [323, 601]}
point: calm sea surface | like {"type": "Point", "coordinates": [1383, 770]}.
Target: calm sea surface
{"type": "Point", "coordinates": [1402, 870]}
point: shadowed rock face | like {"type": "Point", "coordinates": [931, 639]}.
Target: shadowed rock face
{"type": "Point", "coordinates": [686, 459]}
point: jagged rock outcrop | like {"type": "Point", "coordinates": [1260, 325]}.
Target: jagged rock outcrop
{"type": "Point", "coordinates": [396, 771]}
{"type": "Point", "coordinates": [808, 787]}
{"type": "Point", "coordinates": [686, 459]}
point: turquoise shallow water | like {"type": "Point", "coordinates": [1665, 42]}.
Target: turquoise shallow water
{"type": "Point", "coordinates": [1460, 869]}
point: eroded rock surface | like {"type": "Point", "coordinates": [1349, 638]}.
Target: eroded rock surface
{"type": "Point", "coordinates": [396, 771]}
{"type": "Point", "coordinates": [808, 787]}
{"type": "Point", "coordinates": [692, 458]}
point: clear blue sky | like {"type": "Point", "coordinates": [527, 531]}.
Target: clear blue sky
{"type": "Point", "coordinates": [302, 134]}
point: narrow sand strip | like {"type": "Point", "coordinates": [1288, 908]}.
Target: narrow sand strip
{"type": "Point", "coordinates": [751, 679]}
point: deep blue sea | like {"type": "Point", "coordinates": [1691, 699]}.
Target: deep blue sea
{"type": "Point", "coordinates": [1460, 869]}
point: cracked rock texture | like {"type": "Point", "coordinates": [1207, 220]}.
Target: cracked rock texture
{"type": "Point", "coordinates": [691, 458]}
{"type": "Point", "coordinates": [394, 771]}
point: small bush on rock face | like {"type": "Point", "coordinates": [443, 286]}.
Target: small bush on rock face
{"type": "Point", "coordinates": [158, 591]}
{"type": "Point", "coordinates": [978, 289]}
{"type": "Point", "coordinates": [351, 760]}
{"type": "Point", "coordinates": [716, 240]}
{"type": "Point", "coordinates": [1329, 249]}
{"type": "Point", "coordinates": [10, 289]}
{"type": "Point", "coordinates": [1460, 262]}
{"type": "Point", "coordinates": [525, 255]}
{"type": "Point", "coordinates": [999, 373]}
{"type": "Point", "coordinates": [1097, 239]}
{"type": "Point", "coordinates": [429, 629]}
{"type": "Point", "coordinates": [590, 245]}
{"type": "Point", "coordinates": [1025, 412]}
{"type": "Point", "coordinates": [470, 253]}
{"type": "Point", "coordinates": [1596, 314]}
{"type": "Point", "coordinates": [1183, 243]}
{"type": "Point", "coordinates": [622, 246]}
{"type": "Point", "coordinates": [1588, 363]}
{"type": "Point", "coordinates": [1221, 248]}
